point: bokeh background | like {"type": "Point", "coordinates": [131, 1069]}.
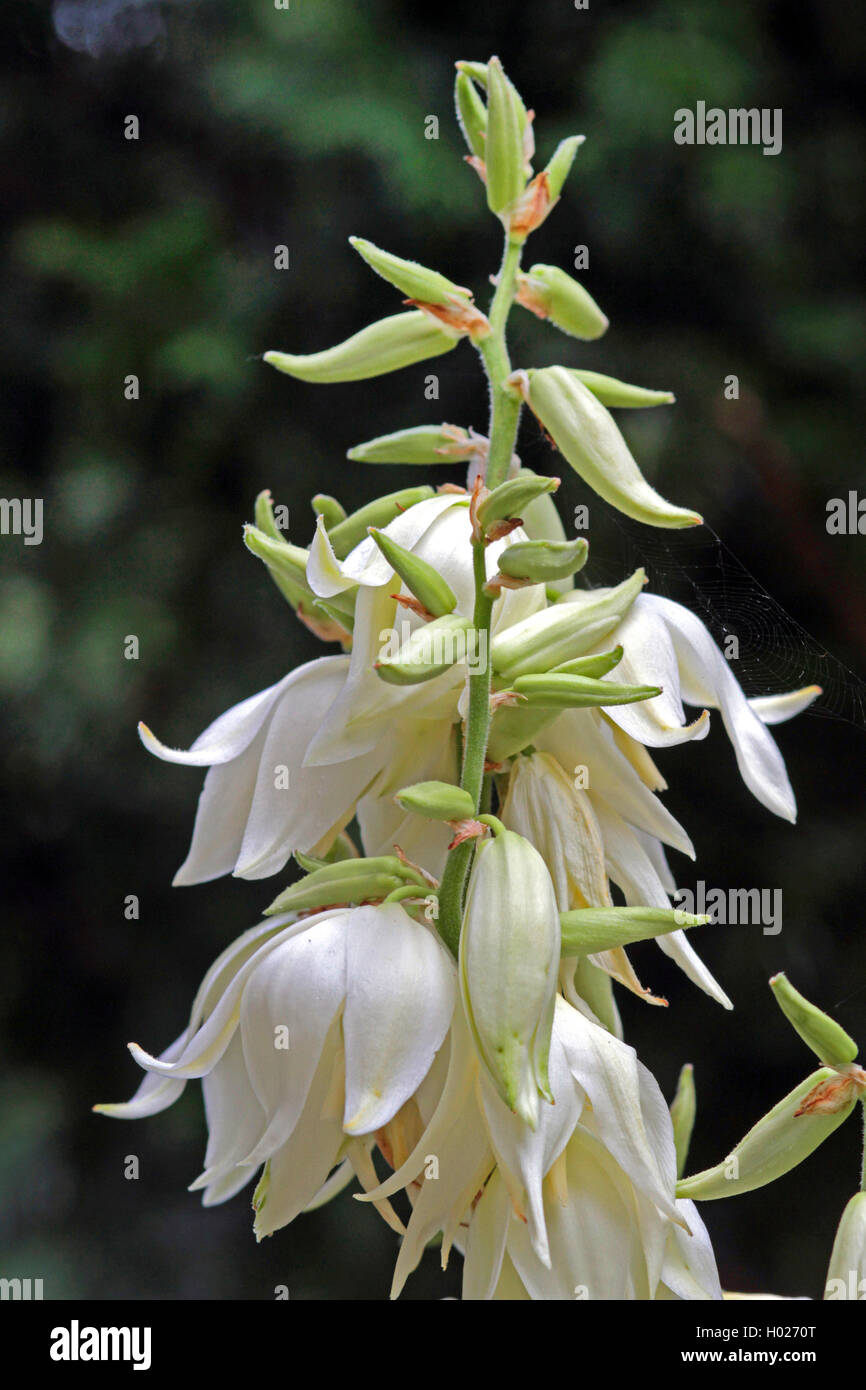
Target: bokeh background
{"type": "Point", "coordinates": [261, 126]}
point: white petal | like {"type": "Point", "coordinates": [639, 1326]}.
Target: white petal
{"type": "Point", "coordinates": [649, 659]}
{"type": "Point", "coordinates": [367, 565]}
{"type": "Point", "coordinates": [299, 987]}
{"type": "Point", "coordinates": [627, 1106]}
{"type": "Point", "coordinates": [155, 1093]}
{"type": "Point", "coordinates": [775, 709]}
{"type": "Point", "coordinates": [525, 1157]}
{"type": "Point", "coordinates": [297, 1171]}
{"type": "Point", "coordinates": [231, 733]}
{"type": "Point", "coordinates": [706, 679]}
{"type": "Point", "coordinates": [400, 998]}
{"type": "Point", "coordinates": [234, 1118]}
{"type": "Point", "coordinates": [485, 1244]}
{"type": "Point", "coordinates": [594, 1240]}
{"type": "Point", "coordinates": [221, 816]}
{"type": "Point", "coordinates": [579, 739]}
{"type": "Point", "coordinates": [318, 801]}
{"type": "Point", "coordinates": [689, 1269]}
{"type": "Point", "coordinates": [324, 572]}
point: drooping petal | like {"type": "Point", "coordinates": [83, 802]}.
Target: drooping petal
{"type": "Point", "coordinates": [578, 739]}
{"type": "Point", "coordinates": [689, 1270]}
{"type": "Point", "coordinates": [401, 987]}
{"type": "Point", "coordinates": [629, 1111]}
{"type": "Point", "coordinates": [294, 997]}
{"type": "Point", "coordinates": [156, 1093]}
{"type": "Point", "coordinates": [485, 1244]}
{"type": "Point", "coordinates": [706, 679]}
{"type": "Point", "coordinates": [234, 1119]}
{"type": "Point", "coordinates": [649, 659]}
{"type": "Point", "coordinates": [298, 1169]}
{"type": "Point", "coordinates": [776, 709]}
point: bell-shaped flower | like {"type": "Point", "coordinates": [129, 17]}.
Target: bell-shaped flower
{"type": "Point", "coordinates": [309, 1036]}
{"type": "Point", "coordinates": [669, 646]}
{"type": "Point", "coordinates": [597, 1175]}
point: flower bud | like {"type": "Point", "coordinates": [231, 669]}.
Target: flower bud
{"type": "Point", "coordinates": [587, 930]}
{"type": "Point", "coordinates": [329, 509]}
{"type": "Point", "coordinates": [515, 727]}
{"type": "Point", "coordinates": [504, 155]}
{"type": "Point", "coordinates": [553, 690]}
{"type": "Point", "coordinates": [778, 1142]}
{"type": "Point", "coordinates": [437, 801]}
{"type": "Point", "coordinates": [558, 169]}
{"type": "Point", "coordinates": [264, 516]}
{"type": "Point", "coordinates": [287, 564]}
{"type": "Point", "coordinates": [508, 964]}
{"type": "Point", "coordinates": [328, 611]}
{"type": "Point", "coordinates": [349, 533]}
{"type": "Point", "coordinates": [544, 561]}
{"type": "Point", "coordinates": [846, 1275]}
{"type": "Point", "coordinates": [566, 630]}
{"type": "Point", "coordinates": [416, 281]}
{"type": "Point", "coordinates": [551, 294]}
{"type": "Point", "coordinates": [429, 651]}
{"type": "Point", "coordinates": [347, 881]}
{"type": "Point", "coordinates": [471, 113]}
{"type": "Point", "coordinates": [477, 71]}
{"type": "Point", "coordinates": [618, 394]}
{"type": "Point", "coordinates": [506, 500]}
{"type": "Point", "coordinates": [425, 444]}
{"type": "Point", "coordinates": [830, 1043]}
{"type": "Point", "coordinates": [683, 1110]}
{"type": "Point", "coordinates": [382, 347]}
{"type": "Point", "coordinates": [597, 665]}
{"type": "Point", "coordinates": [587, 436]}
{"type": "Point", "coordinates": [428, 586]}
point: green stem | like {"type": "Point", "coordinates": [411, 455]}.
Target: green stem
{"type": "Point", "coordinates": [504, 418]}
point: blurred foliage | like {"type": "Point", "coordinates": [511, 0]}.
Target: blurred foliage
{"type": "Point", "coordinates": [155, 258]}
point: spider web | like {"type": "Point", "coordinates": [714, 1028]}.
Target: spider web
{"type": "Point", "coordinates": [776, 653]}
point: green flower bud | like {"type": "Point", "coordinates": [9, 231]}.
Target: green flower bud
{"type": "Point", "coordinates": [506, 500]}
{"type": "Point", "coordinates": [543, 561]}
{"type": "Point", "coordinates": [437, 801]}
{"type": "Point", "coordinates": [421, 444]}
{"type": "Point", "coordinates": [588, 930]}
{"type": "Point", "coordinates": [477, 71]}
{"type": "Point", "coordinates": [421, 579]}
{"type": "Point", "coordinates": [429, 651]}
{"type": "Point", "coordinates": [785, 1136]}
{"type": "Point", "coordinates": [554, 690]}
{"type": "Point", "coordinates": [595, 987]}
{"type": "Point", "coordinates": [347, 881]}
{"type": "Point", "coordinates": [558, 169]}
{"type": "Point", "coordinates": [264, 516]}
{"type": "Point", "coordinates": [618, 394]}
{"type": "Point", "coordinates": [328, 610]}
{"type": "Point", "coordinates": [551, 294]}
{"type": "Point", "coordinates": [515, 727]}
{"type": "Point", "coordinates": [564, 631]}
{"type": "Point", "coordinates": [504, 155]}
{"type": "Point", "coordinates": [349, 533]}
{"type": "Point", "coordinates": [416, 281]}
{"type": "Point", "coordinates": [329, 509]}
{"type": "Point", "coordinates": [382, 347]}
{"type": "Point", "coordinates": [846, 1275]}
{"type": "Point", "coordinates": [830, 1043]}
{"type": "Point", "coordinates": [587, 436]}
{"type": "Point", "coordinates": [471, 113]}
{"type": "Point", "coordinates": [683, 1110]}
{"type": "Point", "coordinates": [508, 964]}
{"type": "Point", "coordinates": [597, 665]}
{"type": "Point", "coordinates": [287, 564]}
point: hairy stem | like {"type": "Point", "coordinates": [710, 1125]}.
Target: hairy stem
{"type": "Point", "coordinates": [504, 418]}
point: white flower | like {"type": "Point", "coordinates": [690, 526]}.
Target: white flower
{"type": "Point", "coordinates": [587, 1198]}
{"type": "Point", "coordinates": [309, 1034]}
{"type": "Point", "coordinates": [670, 646]}
{"type": "Point", "coordinates": [290, 766]}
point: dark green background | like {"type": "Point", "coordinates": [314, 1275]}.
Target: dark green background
{"type": "Point", "coordinates": [261, 127]}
